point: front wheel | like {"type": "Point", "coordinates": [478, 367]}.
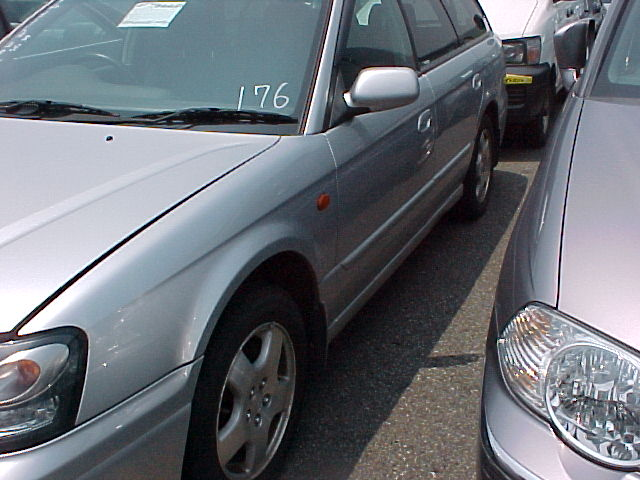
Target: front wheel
{"type": "Point", "coordinates": [249, 389]}
{"type": "Point", "coordinates": [479, 179]}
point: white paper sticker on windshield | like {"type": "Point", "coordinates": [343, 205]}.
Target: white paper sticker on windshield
{"type": "Point", "coordinates": [151, 14]}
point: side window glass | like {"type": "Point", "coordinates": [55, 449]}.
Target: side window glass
{"type": "Point", "coordinates": [431, 28]}
{"type": "Point", "coordinates": [378, 36]}
{"type": "Point", "coordinates": [467, 18]}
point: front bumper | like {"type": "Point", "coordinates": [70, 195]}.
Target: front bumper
{"type": "Point", "coordinates": [489, 467]}
{"type": "Point", "coordinates": [143, 437]}
{"type": "Point", "coordinates": [515, 444]}
{"type": "Point", "coordinates": [527, 86]}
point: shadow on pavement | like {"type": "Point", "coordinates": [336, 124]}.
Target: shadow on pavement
{"type": "Point", "coordinates": [376, 357]}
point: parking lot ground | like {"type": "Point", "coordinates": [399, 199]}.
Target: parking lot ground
{"type": "Point", "coordinates": [399, 397]}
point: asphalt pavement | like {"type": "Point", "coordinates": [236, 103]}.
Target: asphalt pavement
{"type": "Point", "coordinates": [400, 395]}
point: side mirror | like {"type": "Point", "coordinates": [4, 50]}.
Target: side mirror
{"type": "Point", "coordinates": [383, 88]}
{"type": "Point", "coordinates": [572, 43]}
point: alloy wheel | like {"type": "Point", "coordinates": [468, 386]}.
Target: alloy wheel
{"type": "Point", "coordinates": [483, 165]}
{"type": "Point", "coordinates": [256, 402]}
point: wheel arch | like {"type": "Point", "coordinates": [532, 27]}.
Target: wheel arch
{"type": "Point", "coordinates": [491, 111]}
{"type": "Point", "coordinates": [293, 272]}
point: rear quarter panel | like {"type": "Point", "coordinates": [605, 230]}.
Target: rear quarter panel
{"type": "Point", "coordinates": [492, 68]}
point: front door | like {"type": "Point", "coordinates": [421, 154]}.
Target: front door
{"type": "Point", "coordinates": [384, 159]}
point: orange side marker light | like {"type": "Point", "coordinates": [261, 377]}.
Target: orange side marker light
{"type": "Point", "coordinates": [323, 202]}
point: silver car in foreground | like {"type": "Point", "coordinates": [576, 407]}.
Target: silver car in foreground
{"type": "Point", "coordinates": [197, 195]}
{"type": "Point", "coordinates": [561, 397]}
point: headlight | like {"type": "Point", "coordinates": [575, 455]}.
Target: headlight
{"type": "Point", "coordinates": [585, 385]}
{"type": "Point", "coordinates": [41, 380]}
{"type": "Point", "coordinates": [522, 51]}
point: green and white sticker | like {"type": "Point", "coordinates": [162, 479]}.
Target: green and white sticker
{"type": "Point", "coordinates": [151, 14]}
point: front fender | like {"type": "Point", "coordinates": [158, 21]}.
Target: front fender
{"type": "Point", "coordinates": [531, 267]}
{"type": "Point", "coordinates": [150, 306]}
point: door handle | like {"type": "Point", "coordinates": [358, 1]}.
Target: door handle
{"type": "Point", "coordinates": [425, 125]}
{"type": "Point", "coordinates": [476, 83]}
{"type": "Point", "coordinates": [425, 121]}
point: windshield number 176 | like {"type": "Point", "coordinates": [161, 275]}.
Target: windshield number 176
{"type": "Point", "coordinates": [279, 100]}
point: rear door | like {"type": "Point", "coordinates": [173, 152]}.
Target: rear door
{"type": "Point", "coordinates": [457, 83]}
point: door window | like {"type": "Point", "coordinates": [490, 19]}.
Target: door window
{"type": "Point", "coordinates": [432, 31]}
{"type": "Point", "coordinates": [378, 36]}
{"type": "Point", "coordinates": [467, 18]}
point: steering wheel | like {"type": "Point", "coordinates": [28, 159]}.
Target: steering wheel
{"type": "Point", "coordinates": [100, 61]}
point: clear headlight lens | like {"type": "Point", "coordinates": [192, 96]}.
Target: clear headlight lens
{"type": "Point", "coordinates": [585, 385]}
{"type": "Point", "coordinates": [522, 51]}
{"type": "Point", "coordinates": [40, 384]}
{"type": "Point", "coordinates": [514, 52]}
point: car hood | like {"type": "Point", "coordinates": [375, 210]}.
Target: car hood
{"type": "Point", "coordinates": [71, 192]}
{"type": "Point", "coordinates": [509, 18]}
{"type": "Point", "coordinates": [600, 264]}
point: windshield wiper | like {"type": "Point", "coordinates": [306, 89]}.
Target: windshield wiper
{"type": "Point", "coordinates": [211, 115]}
{"type": "Point", "coordinates": [50, 108]}
{"type": "Point", "coordinates": [186, 117]}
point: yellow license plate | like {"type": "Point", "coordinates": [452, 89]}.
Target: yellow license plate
{"type": "Point", "coordinates": [512, 79]}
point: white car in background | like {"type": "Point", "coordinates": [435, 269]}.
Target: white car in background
{"type": "Point", "coordinates": [596, 10]}
{"type": "Point", "coordinates": [526, 28]}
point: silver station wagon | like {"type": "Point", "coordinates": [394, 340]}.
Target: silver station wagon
{"type": "Point", "coordinates": [198, 195]}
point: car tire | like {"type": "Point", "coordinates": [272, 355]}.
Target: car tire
{"type": "Point", "coordinates": [478, 182]}
{"type": "Point", "coordinates": [249, 391]}
{"type": "Point", "coordinates": [537, 131]}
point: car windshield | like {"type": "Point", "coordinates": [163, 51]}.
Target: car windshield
{"type": "Point", "coordinates": [619, 75]}
{"type": "Point", "coordinates": [118, 60]}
